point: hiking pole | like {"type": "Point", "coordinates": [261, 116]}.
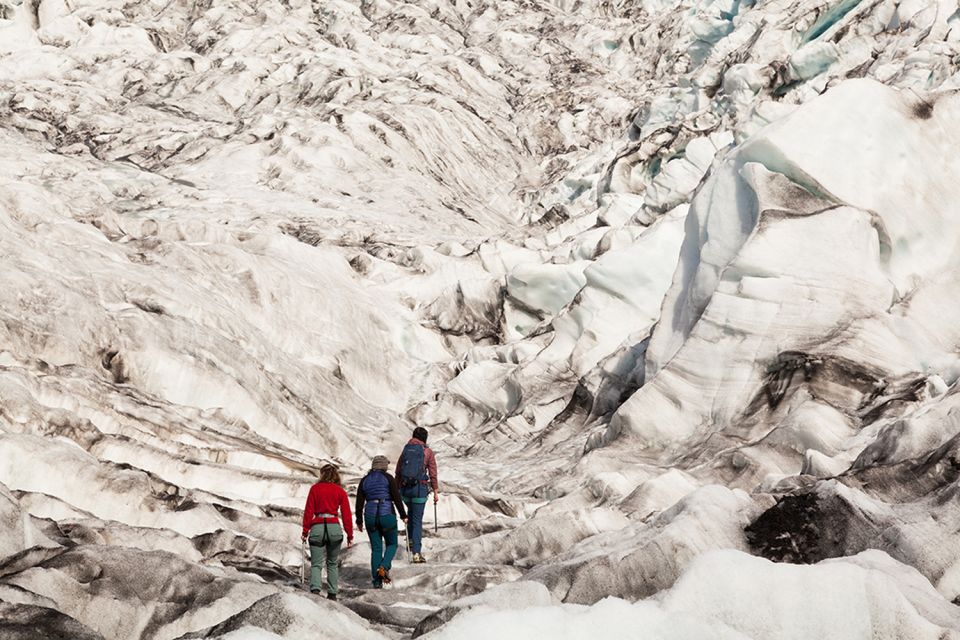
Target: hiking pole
{"type": "Point", "coordinates": [406, 534]}
{"type": "Point", "coordinates": [434, 516]}
{"type": "Point", "coordinates": [303, 571]}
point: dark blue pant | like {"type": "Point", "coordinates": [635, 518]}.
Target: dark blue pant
{"type": "Point", "coordinates": [380, 530]}
{"type": "Point", "coordinates": [414, 522]}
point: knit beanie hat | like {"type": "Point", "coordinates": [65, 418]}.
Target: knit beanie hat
{"type": "Point", "coordinates": [380, 463]}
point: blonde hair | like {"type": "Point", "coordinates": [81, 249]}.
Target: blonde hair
{"type": "Point", "coordinates": [329, 473]}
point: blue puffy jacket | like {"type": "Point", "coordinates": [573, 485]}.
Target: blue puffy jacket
{"type": "Point", "coordinates": [378, 495]}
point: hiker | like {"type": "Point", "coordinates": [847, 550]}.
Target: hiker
{"type": "Point", "coordinates": [322, 526]}
{"type": "Point", "coordinates": [417, 475]}
{"type": "Point", "coordinates": [377, 496]}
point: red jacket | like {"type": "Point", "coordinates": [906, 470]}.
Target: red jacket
{"type": "Point", "coordinates": [429, 459]}
{"type": "Point", "coordinates": [326, 497]}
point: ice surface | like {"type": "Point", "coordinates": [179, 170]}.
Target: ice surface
{"type": "Point", "coordinates": [670, 283]}
{"type": "Point", "coordinates": [728, 594]}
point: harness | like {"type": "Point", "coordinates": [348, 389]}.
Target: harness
{"type": "Point", "coordinates": [326, 519]}
{"type": "Point", "coordinates": [325, 516]}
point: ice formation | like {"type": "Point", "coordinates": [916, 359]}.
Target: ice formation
{"type": "Point", "coordinates": [672, 284]}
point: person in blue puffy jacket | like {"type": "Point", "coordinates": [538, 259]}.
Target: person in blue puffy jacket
{"type": "Point", "coordinates": [378, 501]}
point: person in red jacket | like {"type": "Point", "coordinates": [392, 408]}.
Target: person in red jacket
{"type": "Point", "coordinates": [322, 525]}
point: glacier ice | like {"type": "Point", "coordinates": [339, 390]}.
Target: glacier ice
{"type": "Point", "coordinates": [729, 595]}
{"type": "Point", "coordinates": [672, 284]}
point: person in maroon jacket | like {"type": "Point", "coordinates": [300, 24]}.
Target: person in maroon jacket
{"type": "Point", "coordinates": [417, 477]}
{"type": "Point", "coordinates": [322, 525]}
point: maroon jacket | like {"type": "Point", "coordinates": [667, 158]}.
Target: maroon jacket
{"type": "Point", "coordinates": [429, 459]}
{"type": "Point", "coordinates": [326, 497]}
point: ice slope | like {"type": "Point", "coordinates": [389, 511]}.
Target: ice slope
{"type": "Point", "coordinates": [669, 282]}
{"type": "Point", "coordinates": [744, 284]}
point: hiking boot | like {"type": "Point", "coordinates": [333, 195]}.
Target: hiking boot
{"type": "Point", "coordinates": [418, 558]}
{"type": "Point", "coordinates": [332, 596]}
{"type": "Point", "coordinates": [384, 575]}
{"type": "Point", "coordinates": [377, 585]}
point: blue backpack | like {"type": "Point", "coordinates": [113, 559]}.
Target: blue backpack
{"type": "Point", "coordinates": [413, 466]}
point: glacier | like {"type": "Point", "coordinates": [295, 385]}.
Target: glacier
{"type": "Point", "coordinates": [672, 285]}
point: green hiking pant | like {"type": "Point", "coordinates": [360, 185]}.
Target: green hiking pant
{"type": "Point", "coordinates": [382, 532]}
{"type": "Point", "coordinates": [325, 541]}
